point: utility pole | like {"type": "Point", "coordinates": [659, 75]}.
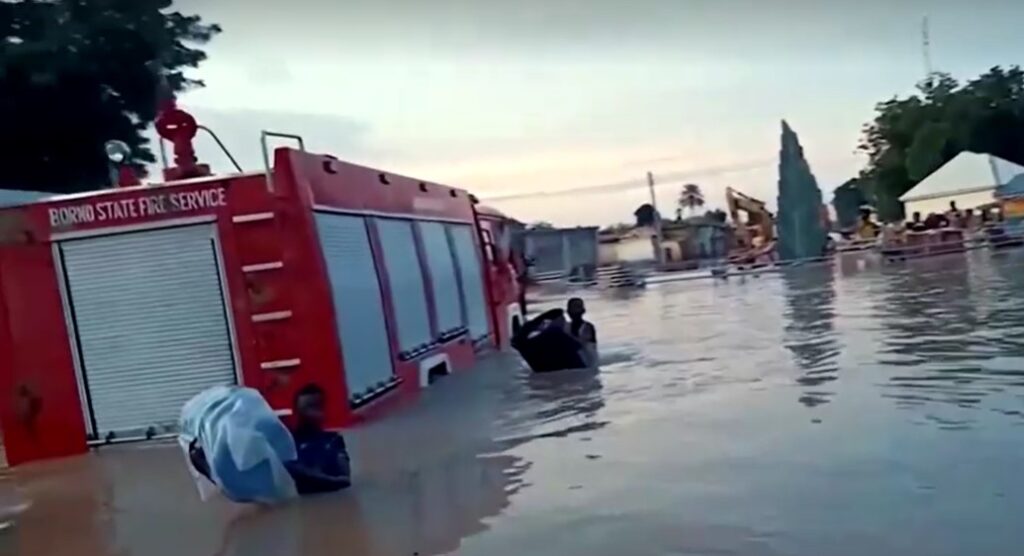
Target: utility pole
{"type": "Point", "coordinates": [659, 254]}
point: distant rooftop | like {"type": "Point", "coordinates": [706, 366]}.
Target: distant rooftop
{"type": "Point", "coordinates": [966, 173]}
{"type": "Point", "coordinates": [1012, 188]}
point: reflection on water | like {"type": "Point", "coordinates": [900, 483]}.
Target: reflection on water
{"type": "Point", "coordinates": [810, 335]}
{"type": "Point", "coordinates": [555, 405]}
{"type": "Point", "coordinates": [141, 504]}
{"type": "Point", "coordinates": [427, 512]}
{"type": "Point", "coordinates": [427, 478]}
{"type": "Point", "coordinates": [846, 409]}
{"type": "Point", "coordinates": [954, 336]}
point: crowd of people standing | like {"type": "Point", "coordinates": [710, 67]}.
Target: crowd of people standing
{"type": "Point", "coordinates": [968, 220]}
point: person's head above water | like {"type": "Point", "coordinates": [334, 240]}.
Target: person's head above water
{"type": "Point", "coordinates": [575, 308]}
{"type": "Point", "coordinates": [309, 406]}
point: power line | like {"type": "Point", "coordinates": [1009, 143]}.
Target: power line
{"type": "Point", "coordinates": [666, 179]}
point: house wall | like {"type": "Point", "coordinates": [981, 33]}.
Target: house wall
{"type": "Point", "coordinates": [546, 250]}
{"type": "Point", "coordinates": [697, 241]}
{"type": "Point", "coordinates": [607, 253]}
{"type": "Point", "coordinates": [561, 250]}
{"type": "Point", "coordinates": [634, 249]}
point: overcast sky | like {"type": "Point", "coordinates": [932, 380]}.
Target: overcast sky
{"type": "Point", "coordinates": [519, 96]}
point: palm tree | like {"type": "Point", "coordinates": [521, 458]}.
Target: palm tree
{"type": "Point", "coordinates": [690, 198]}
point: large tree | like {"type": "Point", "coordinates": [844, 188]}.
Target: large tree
{"type": "Point", "coordinates": [690, 199]}
{"type": "Point", "coordinates": [801, 230]}
{"type": "Point", "coordinates": [75, 74]}
{"type": "Point", "coordinates": [912, 137]}
{"type": "Point", "coordinates": [847, 201]}
{"type": "Point", "coordinates": [716, 215]}
{"type": "Point", "coordinates": [646, 215]}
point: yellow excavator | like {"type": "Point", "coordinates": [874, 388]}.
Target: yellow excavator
{"type": "Point", "coordinates": [757, 227]}
{"type": "Point", "coordinates": [754, 239]}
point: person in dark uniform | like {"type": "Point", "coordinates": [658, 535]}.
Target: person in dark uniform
{"type": "Point", "coordinates": [323, 463]}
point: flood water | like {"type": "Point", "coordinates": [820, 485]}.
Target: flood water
{"type": "Point", "coordinates": [830, 410]}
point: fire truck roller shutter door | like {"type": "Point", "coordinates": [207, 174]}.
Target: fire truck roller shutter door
{"type": "Point", "coordinates": [151, 325]}
{"type": "Point", "coordinates": [405, 278]}
{"type": "Point", "coordinates": [442, 276]}
{"type": "Point", "coordinates": [468, 258]}
{"type": "Point", "coordinates": [358, 307]}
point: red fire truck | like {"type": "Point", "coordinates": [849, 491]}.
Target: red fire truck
{"type": "Point", "coordinates": [117, 306]}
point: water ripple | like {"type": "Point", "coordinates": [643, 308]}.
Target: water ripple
{"type": "Point", "coordinates": [940, 332]}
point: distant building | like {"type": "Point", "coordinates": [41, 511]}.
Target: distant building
{"type": "Point", "coordinates": [684, 243]}
{"type": "Point", "coordinates": [1011, 201]}
{"type": "Point", "coordinates": [565, 251]}
{"type": "Point", "coordinates": [969, 179]}
{"type": "Point", "coordinates": [631, 246]}
{"type": "Point", "coordinates": [1013, 188]}
{"type": "Point", "coordinates": [696, 239]}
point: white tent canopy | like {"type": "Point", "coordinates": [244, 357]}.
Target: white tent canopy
{"type": "Point", "coordinates": [969, 180]}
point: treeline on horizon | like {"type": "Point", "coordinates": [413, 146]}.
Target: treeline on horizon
{"type": "Point", "coordinates": [912, 137]}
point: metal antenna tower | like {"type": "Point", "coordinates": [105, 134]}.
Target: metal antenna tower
{"type": "Point", "coordinates": [926, 49]}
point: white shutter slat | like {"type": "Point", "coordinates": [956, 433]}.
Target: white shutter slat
{"type": "Point", "coordinates": [150, 320]}
{"type": "Point", "coordinates": [405, 278]}
{"type": "Point", "coordinates": [442, 276]}
{"type": "Point", "coordinates": [358, 307]}
{"type": "Point", "coordinates": [468, 258]}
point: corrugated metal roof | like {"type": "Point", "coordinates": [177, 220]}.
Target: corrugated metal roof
{"type": "Point", "coordinates": [966, 173]}
{"type": "Point", "coordinates": [1012, 188]}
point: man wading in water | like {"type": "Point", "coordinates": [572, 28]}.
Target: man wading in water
{"type": "Point", "coordinates": [546, 344]}
{"type": "Point", "coordinates": [322, 464]}
{"type": "Point", "coordinates": [550, 343]}
{"type": "Point", "coordinates": [582, 330]}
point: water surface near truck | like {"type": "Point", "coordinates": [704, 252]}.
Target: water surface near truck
{"type": "Point", "coordinates": [845, 409]}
